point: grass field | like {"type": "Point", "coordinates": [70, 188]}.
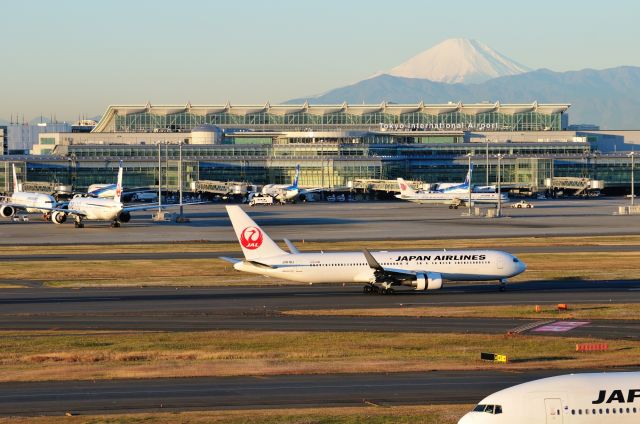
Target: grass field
{"type": "Point", "coordinates": [65, 355]}
{"type": "Point", "coordinates": [624, 311]}
{"type": "Point", "coordinates": [435, 414]}
{"type": "Point", "coordinates": [216, 272]}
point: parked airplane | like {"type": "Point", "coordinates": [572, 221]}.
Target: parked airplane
{"type": "Point", "coordinates": [453, 198]}
{"type": "Point", "coordinates": [462, 187]}
{"type": "Point", "coordinates": [30, 202]}
{"type": "Point", "coordinates": [612, 398]}
{"type": "Point", "coordinates": [284, 192]}
{"type": "Point", "coordinates": [100, 209]}
{"type": "Point", "coordinates": [288, 193]}
{"type": "Point", "coordinates": [380, 271]}
{"type": "Point", "coordinates": [102, 190]}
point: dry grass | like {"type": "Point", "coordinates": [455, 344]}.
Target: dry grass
{"type": "Point", "coordinates": [51, 355]}
{"type": "Point", "coordinates": [213, 247]}
{"type": "Point", "coordinates": [431, 414]}
{"type": "Point", "coordinates": [215, 272]}
{"type": "Point", "coordinates": [624, 311]}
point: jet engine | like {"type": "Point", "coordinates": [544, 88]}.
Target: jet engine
{"type": "Point", "coordinates": [58, 217]}
{"type": "Point", "coordinates": [7, 211]}
{"type": "Point", "coordinates": [124, 217]}
{"type": "Point", "coordinates": [428, 281]}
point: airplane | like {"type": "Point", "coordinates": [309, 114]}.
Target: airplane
{"type": "Point", "coordinates": [31, 202]}
{"type": "Point", "coordinates": [587, 398]}
{"type": "Point", "coordinates": [462, 187]}
{"type": "Point", "coordinates": [284, 192]}
{"type": "Point", "coordinates": [100, 209]}
{"type": "Point", "coordinates": [453, 198]}
{"type": "Point", "coordinates": [288, 192]}
{"type": "Point", "coordinates": [380, 271]}
{"type": "Point", "coordinates": [102, 190]}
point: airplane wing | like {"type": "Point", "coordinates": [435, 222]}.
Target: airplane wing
{"type": "Point", "coordinates": [394, 276]}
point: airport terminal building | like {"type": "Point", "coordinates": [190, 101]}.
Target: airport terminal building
{"type": "Point", "coordinates": [334, 144]}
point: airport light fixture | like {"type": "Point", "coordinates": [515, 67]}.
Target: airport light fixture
{"type": "Point", "coordinates": [181, 216]}
{"type": "Point", "coordinates": [633, 180]}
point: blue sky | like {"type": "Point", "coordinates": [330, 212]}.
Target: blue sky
{"type": "Point", "coordinates": [76, 57]}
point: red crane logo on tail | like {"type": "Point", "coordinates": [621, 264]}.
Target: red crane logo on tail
{"type": "Point", "coordinates": [403, 187]}
{"type": "Point", "coordinates": [251, 238]}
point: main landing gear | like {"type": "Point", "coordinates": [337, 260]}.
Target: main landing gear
{"type": "Point", "coordinates": [78, 223]}
{"type": "Point", "coordinates": [374, 289]}
{"type": "Point", "coordinates": [115, 224]}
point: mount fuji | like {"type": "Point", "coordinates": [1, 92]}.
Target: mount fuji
{"type": "Point", "coordinates": [458, 60]}
{"type": "Point", "coordinates": [469, 71]}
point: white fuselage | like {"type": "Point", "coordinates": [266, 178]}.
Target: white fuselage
{"type": "Point", "coordinates": [107, 191]}
{"type": "Point", "coordinates": [33, 202]}
{"type": "Point", "coordinates": [281, 192]}
{"type": "Point", "coordinates": [461, 265]}
{"type": "Point", "coordinates": [97, 209]}
{"type": "Point", "coordinates": [450, 197]}
{"type": "Point", "coordinates": [590, 398]}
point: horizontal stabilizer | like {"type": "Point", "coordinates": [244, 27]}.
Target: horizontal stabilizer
{"type": "Point", "coordinates": [230, 260]}
{"type": "Point", "coordinates": [292, 248]}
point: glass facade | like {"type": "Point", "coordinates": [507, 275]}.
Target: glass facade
{"type": "Point", "coordinates": [150, 121]}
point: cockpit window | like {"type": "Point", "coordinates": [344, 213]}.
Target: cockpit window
{"type": "Point", "coordinates": [489, 409]}
{"type": "Point", "coordinates": [515, 260]}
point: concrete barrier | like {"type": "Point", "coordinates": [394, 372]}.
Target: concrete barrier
{"type": "Point", "coordinates": [592, 347]}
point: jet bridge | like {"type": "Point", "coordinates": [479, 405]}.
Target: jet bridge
{"type": "Point", "coordinates": [580, 186]}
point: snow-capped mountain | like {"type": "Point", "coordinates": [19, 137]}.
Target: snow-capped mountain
{"type": "Point", "coordinates": [458, 60]}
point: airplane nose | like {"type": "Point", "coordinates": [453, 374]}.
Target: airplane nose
{"type": "Point", "coordinates": [466, 419]}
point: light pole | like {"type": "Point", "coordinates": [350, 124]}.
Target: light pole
{"type": "Point", "coordinates": [159, 180]}
{"type": "Point", "coordinates": [633, 180]}
{"type": "Point", "coordinates": [181, 217]}
{"type": "Point", "coordinates": [469, 183]}
{"type": "Point", "coordinates": [487, 163]}
{"type": "Point", "coordinates": [499, 212]}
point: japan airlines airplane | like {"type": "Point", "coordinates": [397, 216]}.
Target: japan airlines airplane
{"type": "Point", "coordinates": [380, 271]}
{"type": "Point", "coordinates": [30, 202]}
{"type": "Point", "coordinates": [454, 198]}
{"type": "Point", "coordinates": [100, 209]}
{"type": "Point", "coordinates": [612, 398]}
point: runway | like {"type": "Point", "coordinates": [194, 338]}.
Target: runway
{"type": "Point", "coordinates": [164, 395]}
{"type": "Point", "coordinates": [260, 308]}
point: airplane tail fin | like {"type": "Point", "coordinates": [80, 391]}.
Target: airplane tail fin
{"type": "Point", "coordinates": [297, 176]}
{"type": "Point", "coordinates": [467, 180]}
{"type": "Point", "coordinates": [118, 194]}
{"type": "Point", "coordinates": [405, 189]}
{"type": "Point", "coordinates": [16, 185]}
{"type": "Point", "coordinates": [255, 243]}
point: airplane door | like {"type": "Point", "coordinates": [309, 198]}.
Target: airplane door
{"type": "Point", "coordinates": [500, 262]}
{"type": "Point", "coordinates": [553, 411]}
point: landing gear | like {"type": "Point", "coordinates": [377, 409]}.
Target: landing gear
{"type": "Point", "coordinates": [503, 285]}
{"type": "Point", "coordinates": [46, 216]}
{"type": "Point", "coordinates": [115, 224]}
{"type": "Point", "coordinates": [375, 289]}
{"type": "Point", "coordinates": [78, 223]}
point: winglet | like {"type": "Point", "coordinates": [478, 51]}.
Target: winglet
{"type": "Point", "coordinates": [371, 260]}
{"type": "Point", "coordinates": [292, 248]}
